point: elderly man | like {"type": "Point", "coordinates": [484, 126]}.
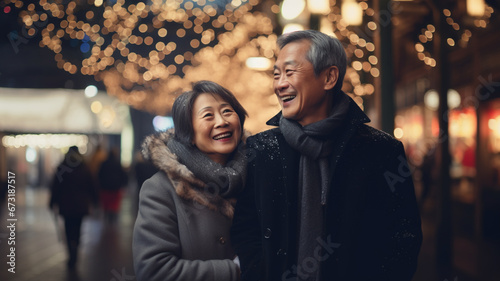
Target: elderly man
{"type": "Point", "coordinates": [327, 197]}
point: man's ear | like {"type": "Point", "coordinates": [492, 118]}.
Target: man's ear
{"type": "Point", "coordinates": [331, 77]}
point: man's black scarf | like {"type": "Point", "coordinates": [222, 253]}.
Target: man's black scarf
{"type": "Point", "coordinates": [315, 144]}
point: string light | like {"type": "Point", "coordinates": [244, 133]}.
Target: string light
{"type": "Point", "coordinates": [464, 37]}
{"type": "Point", "coordinates": [359, 49]}
{"type": "Point", "coordinates": [135, 48]}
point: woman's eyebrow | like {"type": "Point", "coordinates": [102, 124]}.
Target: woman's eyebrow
{"type": "Point", "coordinates": [204, 108]}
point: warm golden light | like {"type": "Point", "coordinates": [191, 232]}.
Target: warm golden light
{"type": "Point", "coordinates": [493, 124]}
{"type": "Point", "coordinates": [463, 123]}
{"type": "Point", "coordinates": [359, 53]}
{"type": "Point", "coordinates": [143, 28]}
{"type": "Point", "coordinates": [96, 107]}
{"type": "Point", "coordinates": [162, 32]}
{"type": "Point", "coordinates": [319, 6]}
{"type": "Point", "coordinates": [476, 8]}
{"type": "Point", "coordinates": [258, 63]}
{"type": "Point", "coordinates": [125, 49]}
{"type": "Point", "coordinates": [370, 47]}
{"type": "Point", "coordinates": [291, 9]}
{"type": "Point", "coordinates": [372, 25]}
{"type": "Point", "coordinates": [454, 99]}
{"type": "Point", "coordinates": [398, 133]}
{"type": "Point", "coordinates": [46, 140]}
{"type": "Point", "coordinates": [419, 47]}
{"type": "Point", "coordinates": [369, 89]}
{"type": "Point", "coordinates": [431, 99]}
{"type": "Point", "coordinates": [179, 59]}
{"type": "Point", "coordinates": [367, 66]}
{"type": "Point", "coordinates": [291, 27]}
{"type": "Point", "coordinates": [326, 27]}
{"type": "Point", "coordinates": [357, 65]}
{"type": "Point", "coordinates": [275, 9]}
{"type": "Point", "coordinates": [352, 13]}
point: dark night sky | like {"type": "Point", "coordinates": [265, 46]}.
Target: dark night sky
{"type": "Point", "coordinates": [23, 64]}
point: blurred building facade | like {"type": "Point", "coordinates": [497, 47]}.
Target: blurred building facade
{"type": "Point", "coordinates": [473, 100]}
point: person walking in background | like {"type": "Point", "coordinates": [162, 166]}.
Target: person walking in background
{"type": "Point", "coordinates": [185, 210]}
{"type": "Point", "coordinates": [95, 161]}
{"type": "Point", "coordinates": [112, 179]}
{"type": "Point", "coordinates": [327, 197]}
{"type": "Point", "coordinates": [73, 191]}
{"type": "Point", "coordinates": [143, 170]}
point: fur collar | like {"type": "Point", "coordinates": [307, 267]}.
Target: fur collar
{"type": "Point", "coordinates": [186, 185]}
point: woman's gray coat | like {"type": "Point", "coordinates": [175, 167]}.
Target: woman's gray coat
{"type": "Point", "coordinates": [182, 231]}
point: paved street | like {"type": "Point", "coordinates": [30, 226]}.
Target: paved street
{"type": "Point", "coordinates": [105, 251]}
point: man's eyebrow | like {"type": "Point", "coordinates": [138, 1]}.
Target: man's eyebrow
{"type": "Point", "coordinates": [290, 62]}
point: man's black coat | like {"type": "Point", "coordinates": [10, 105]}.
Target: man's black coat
{"type": "Point", "coordinates": [372, 224]}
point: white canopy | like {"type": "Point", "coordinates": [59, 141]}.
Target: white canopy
{"type": "Point", "coordinates": [60, 111]}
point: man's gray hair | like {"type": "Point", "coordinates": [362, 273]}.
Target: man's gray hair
{"type": "Point", "coordinates": [325, 51]}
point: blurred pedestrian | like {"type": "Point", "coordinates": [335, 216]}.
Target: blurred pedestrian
{"type": "Point", "coordinates": [112, 180]}
{"type": "Point", "coordinates": [96, 160]}
{"type": "Point", "coordinates": [73, 191]}
{"type": "Point", "coordinates": [143, 169]}
{"type": "Point", "coordinates": [185, 210]}
{"type": "Point", "coordinates": [327, 197]}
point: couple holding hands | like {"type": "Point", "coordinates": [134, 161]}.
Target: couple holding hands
{"type": "Point", "coordinates": [320, 197]}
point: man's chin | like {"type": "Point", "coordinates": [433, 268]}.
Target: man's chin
{"type": "Point", "coordinates": [288, 115]}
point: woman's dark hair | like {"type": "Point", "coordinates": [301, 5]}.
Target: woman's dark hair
{"type": "Point", "coordinates": [182, 110]}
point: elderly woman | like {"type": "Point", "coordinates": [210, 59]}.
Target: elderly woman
{"type": "Point", "coordinates": [186, 209]}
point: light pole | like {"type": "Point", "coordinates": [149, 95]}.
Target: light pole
{"type": "Point", "coordinates": [384, 103]}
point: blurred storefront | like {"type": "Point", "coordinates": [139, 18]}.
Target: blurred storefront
{"type": "Point", "coordinates": [474, 133]}
{"type": "Point", "coordinates": [418, 128]}
{"type": "Point", "coordinates": [37, 126]}
{"type": "Point", "coordinates": [447, 89]}
{"type": "Point", "coordinates": [488, 165]}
